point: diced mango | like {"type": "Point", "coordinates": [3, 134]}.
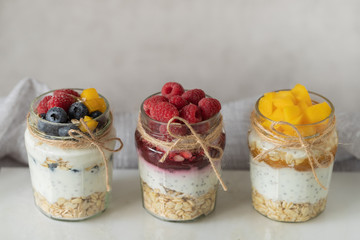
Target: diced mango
{"type": "Point", "coordinates": [281, 99]}
{"type": "Point", "coordinates": [89, 93]}
{"type": "Point", "coordinates": [92, 124]}
{"type": "Point", "coordinates": [301, 94]}
{"type": "Point", "coordinates": [292, 113]}
{"type": "Point", "coordinates": [303, 106]}
{"type": "Point", "coordinates": [97, 104]}
{"type": "Point", "coordinates": [265, 106]}
{"type": "Point", "coordinates": [317, 112]}
{"type": "Point", "coordinates": [269, 95]}
{"type": "Point", "coordinates": [277, 115]}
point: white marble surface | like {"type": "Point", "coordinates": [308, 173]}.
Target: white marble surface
{"type": "Point", "coordinates": [234, 218]}
{"type": "Point", "coordinates": [232, 49]}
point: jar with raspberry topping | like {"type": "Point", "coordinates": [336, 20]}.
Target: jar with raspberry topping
{"type": "Point", "coordinates": [179, 182]}
{"type": "Point", "coordinates": [70, 163]}
{"type": "Point", "coordinates": [291, 164]}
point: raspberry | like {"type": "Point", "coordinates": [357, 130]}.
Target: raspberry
{"type": "Point", "coordinates": [178, 101]}
{"type": "Point", "coordinates": [66, 91]}
{"type": "Point", "coordinates": [163, 111]}
{"type": "Point", "coordinates": [209, 107]}
{"type": "Point", "coordinates": [148, 103]}
{"type": "Point", "coordinates": [194, 95]}
{"type": "Point", "coordinates": [42, 107]}
{"type": "Point", "coordinates": [191, 113]}
{"type": "Point", "coordinates": [63, 101]}
{"type": "Point", "coordinates": [172, 89]}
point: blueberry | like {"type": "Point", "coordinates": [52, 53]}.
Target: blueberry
{"type": "Point", "coordinates": [47, 128]}
{"type": "Point", "coordinates": [64, 131]}
{"type": "Point", "coordinates": [52, 166]}
{"type": "Point", "coordinates": [56, 115]}
{"type": "Point", "coordinates": [78, 110]}
{"type": "Point", "coordinates": [42, 115]}
{"type": "Point", "coordinates": [95, 114]}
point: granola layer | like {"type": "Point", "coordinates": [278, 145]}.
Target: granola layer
{"type": "Point", "coordinates": [175, 206]}
{"type": "Point", "coordinates": [76, 208]}
{"type": "Point", "coordinates": [286, 211]}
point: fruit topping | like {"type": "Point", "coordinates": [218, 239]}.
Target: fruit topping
{"type": "Point", "coordinates": [295, 107]}
{"type": "Point", "coordinates": [71, 92]}
{"type": "Point", "coordinates": [209, 107]}
{"type": "Point", "coordinates": [78, 110]}
{"type": "Point", "coordinates": [64, 131]}
{"type": "Point", "coordinates": [91, 123]}
{"type": "Point", "coordinates": [149, 103]}
{"type": "Point", "coordinates": [95, 114]}
{"type": "Point", "coordinates": [56, 115]}
{"type": "Point", "coordinates": [194, 95]}
{"type": "Point", "coordinates": [178, 101]}
{"type": "Point", "coordinates": [96, 104]}
{"type": "Point", "coordinates": [172, 89]}
{"type": "Point", "coordinates": [63, 101]}
{"type": "Point", "coordinates": [163, 111]}
{"type": "Point", "coordinates": [89, 93]}
{"type": "Point", "coordinates": [43, 105]}
{"type": "Point", "coordinates": [191, 113]}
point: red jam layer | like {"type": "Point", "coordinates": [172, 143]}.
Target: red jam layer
{"type": "Point", "coordinates": [153, 155]}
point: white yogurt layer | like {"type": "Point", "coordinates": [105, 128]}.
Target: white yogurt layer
{"type": "Point", "coordinates": [54, 183]}
{"type": "Point", "coordinates": [193, 182]}
{"type": "Point", "coordinates": [293, 154]}
{"type": "Point", "coordinates": [289, 185]}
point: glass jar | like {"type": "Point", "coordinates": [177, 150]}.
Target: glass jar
{"type": "Point", "coordinates": [286, 185]}
{"type": "Point", "coordinates": [69, 179]}
{"type": "Point", "coordinates": [184, 186]}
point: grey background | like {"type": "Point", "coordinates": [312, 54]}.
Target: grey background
{"type": "Point", "coordinates": [232, 49]}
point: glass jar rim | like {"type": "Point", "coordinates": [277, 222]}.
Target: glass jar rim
{"type": "Point", "coordinates": [37, 117]}
{"type": "Point", "coordinates": [143, 114]}
{"type": "Point", "coordinates": [299, 125]}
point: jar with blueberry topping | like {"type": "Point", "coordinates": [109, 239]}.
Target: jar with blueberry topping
{"type": "Point", "coordinates": [70, 142]}
{"type": "Point", "coordinates": [179, 178]}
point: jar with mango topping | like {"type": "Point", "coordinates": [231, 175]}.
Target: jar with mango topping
{"type": "Point", "coordinates": [292, 141]}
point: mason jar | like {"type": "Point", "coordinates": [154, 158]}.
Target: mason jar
{"type": "Point", "coordinates": [182, 185]}
{"type": "Point", "coordinates": [70, 178]}
{"type": "Point", "coordinates": [286, 185]}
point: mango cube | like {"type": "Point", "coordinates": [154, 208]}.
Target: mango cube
{"type": "Point", "coordinates": [291, 113]}
{"type": "Point", "coordinates": [89, 93]}
{"type": "Point", "coordinates": [317, 112]}
{"type": "Point", "coordinates": [96, 104]}
{"type": "Point", "coordinates": [307, 130]}
{"type": "Point", "coordinates": [265, 106]}
{"type": "Point", "coordinates": [301, 94]}
{"type": "Point", "coordinates": [92, 124]}
{"type": "Point", "coordinates": [283, 99]}
{"type": "Point", "coordinates": [277, 115]}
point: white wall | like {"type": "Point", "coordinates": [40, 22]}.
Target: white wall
{"type": "Point", "coordinates": [231, 49]}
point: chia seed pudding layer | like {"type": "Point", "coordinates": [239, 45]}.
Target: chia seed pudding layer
{"type": "Point", "coordinates": [288, 184]}
{"type": "Point", "coordinates": [66, 173]}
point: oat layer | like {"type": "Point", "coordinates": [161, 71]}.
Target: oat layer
{"type": "Point", "coordinates": [286, 211]}
{"type": "Point", "coordinates": [175, 206]}
{"type": "Point", "coordinates": [76, 208]}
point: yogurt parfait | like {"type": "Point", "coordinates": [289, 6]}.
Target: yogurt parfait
{"type": "Point", "coordinates": [179, 177]}
{"type": "Point", "coordinates": [69, 141]}
{"type": "Point", "coordinates": [292, 142]}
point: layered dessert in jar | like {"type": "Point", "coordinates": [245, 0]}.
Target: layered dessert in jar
{"type": "Point", "coordinates": [179, 175]}
{"type": "Point", "coordinates": [292, 142]}
{"type": "Point", "coordinates": [69, 141]}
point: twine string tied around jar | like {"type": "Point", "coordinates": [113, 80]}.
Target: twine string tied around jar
{"type": "Point", "coordinates": [189, 142]}
{"type": "Point", "coordinates": [98, 143]}
{"type": "Point", "coordinates": [300, 143]}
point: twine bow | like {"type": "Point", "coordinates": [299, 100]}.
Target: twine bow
{"type": "Point", "coordinates": [301, 143]}
{"type": "Point", "coordinates": [189, 142]}
{"type": "Point", "coordinates": [97, 142]}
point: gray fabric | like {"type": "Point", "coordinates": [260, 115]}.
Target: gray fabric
{"type": "Point", "coordinates": [14, 107]}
